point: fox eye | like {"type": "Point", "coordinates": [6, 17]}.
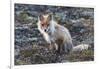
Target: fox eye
{"type": "Point", "coordinates": [42, 24]}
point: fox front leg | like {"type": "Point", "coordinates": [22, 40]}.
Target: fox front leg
{"type": "Point", "coordinates": [50, 47]}
{"type": "Point", "coordinates": [53, 46]}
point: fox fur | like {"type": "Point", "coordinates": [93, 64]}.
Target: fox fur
{"type": "Point", "coordinates": [55, 34]}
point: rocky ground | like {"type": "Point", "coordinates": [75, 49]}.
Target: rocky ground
{"type": "Point", "coordinates": [31, 48]}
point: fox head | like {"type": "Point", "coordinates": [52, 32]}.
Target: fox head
{"type": "Point", "coordinates": [45, 20]}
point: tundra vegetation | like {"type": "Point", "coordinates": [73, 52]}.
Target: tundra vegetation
{"type": "Point", "coordinates": [31, 48]}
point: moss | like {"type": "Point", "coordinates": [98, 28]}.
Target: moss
{"type": "Point", "coordinates": [29, 52]}
{"type": "Point", "coordinates": [23, 17]}
{"type": "Point", "coordinates": [26, 53]}
{"type": "Point", "coordinates": [20, 62]}
{"type": "Point", "coordinates": [86, 55]}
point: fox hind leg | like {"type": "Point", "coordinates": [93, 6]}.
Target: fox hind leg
{"type": "Point", "coordinates": [67, 47]}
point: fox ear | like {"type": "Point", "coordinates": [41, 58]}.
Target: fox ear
{"type": "Point", "coordinates": [50, 17]}
{"type": "Point", "coordinates": [40, 17]}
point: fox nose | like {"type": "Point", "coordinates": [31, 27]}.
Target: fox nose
{"type": "Point", "coordinates": [45, 30]}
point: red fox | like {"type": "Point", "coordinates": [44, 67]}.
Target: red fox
{"type": "Point", "coordinates": [56, 35]}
